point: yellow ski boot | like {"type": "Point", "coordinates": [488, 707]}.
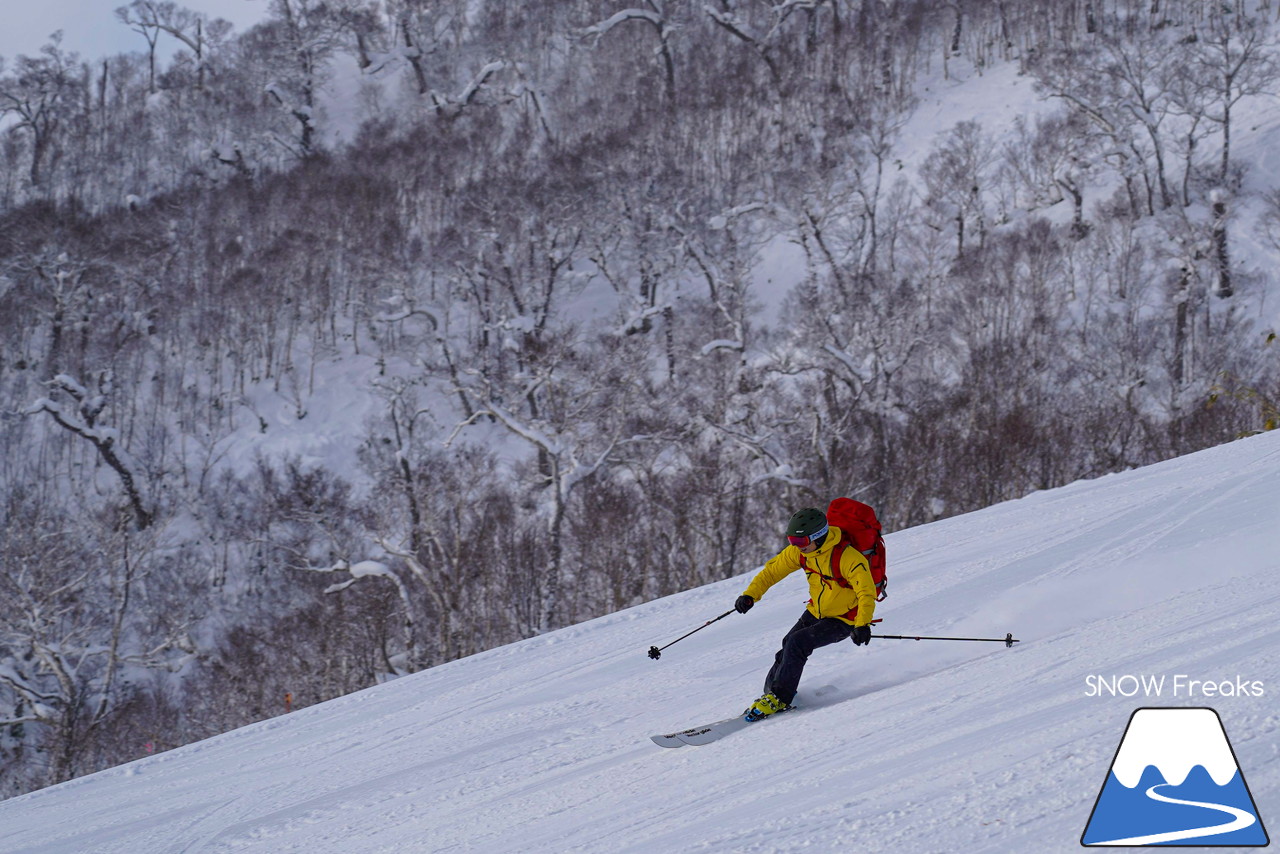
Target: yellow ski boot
{"type": "Point", "coordinates": [765, 706]}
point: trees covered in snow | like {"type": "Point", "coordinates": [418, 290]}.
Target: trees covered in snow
{"type": "Point", "coordinates": [38, 97]}
{"type": "Point", "coordinates": [78, 413]}
{"type": "Point", "coordinates": [197, 32]}
{"type": "Point", "coordinates": [86, 614]}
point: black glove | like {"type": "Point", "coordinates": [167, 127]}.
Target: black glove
{"type": "Point", "coordinates": [861, 635]}
{"type": "Point", "coordinates": [744, 603]}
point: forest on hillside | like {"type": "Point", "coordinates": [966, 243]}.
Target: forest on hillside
{"type": "Point", "coordinates": [534, 232]}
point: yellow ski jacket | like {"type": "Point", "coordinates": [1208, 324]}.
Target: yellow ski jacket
{"type": "Point", "coordinates": [855, 604]}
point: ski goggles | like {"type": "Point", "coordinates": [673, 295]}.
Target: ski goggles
{"type": "Point", "coordinates": [814, 539]}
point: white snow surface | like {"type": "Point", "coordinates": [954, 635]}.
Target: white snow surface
{"type": "Point", "coordinates": [903, 746]}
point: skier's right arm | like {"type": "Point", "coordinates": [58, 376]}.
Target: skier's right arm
{"type": "Point", "coordinates": [780, 566]}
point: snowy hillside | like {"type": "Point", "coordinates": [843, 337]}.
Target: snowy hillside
{"type": "Point", "coordinates": [1172, 570]}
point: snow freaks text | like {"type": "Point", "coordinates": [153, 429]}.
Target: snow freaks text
{"type": "Point", "coordinates": [1179, 685]}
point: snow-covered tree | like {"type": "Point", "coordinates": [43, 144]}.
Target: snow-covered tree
{"type": "Point", "coordinates": [200, 34]}
{"type": "Point", "coordinates": [78, 410]}
{"type": "Point", "coordinates": [39, 97]}
{"type": "Point", "coordinates": [74, 629]}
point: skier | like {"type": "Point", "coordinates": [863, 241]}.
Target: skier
{"type": "Point", "coordinates": [842, 605]}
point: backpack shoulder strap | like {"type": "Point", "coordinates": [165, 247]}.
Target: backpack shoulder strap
{"type": "Point", "coordinates": [837, 554]}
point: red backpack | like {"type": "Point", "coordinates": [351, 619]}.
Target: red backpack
{"type": "Point", "coordinates": [860, 528]}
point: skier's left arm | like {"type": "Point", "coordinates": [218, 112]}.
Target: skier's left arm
{"type": "Point", "coordinates": [853, 566]}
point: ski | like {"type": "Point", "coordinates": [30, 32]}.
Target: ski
{"type": "Point", "coordinates": [677, 739]}
{"type": "Point", "coordinates": [706, 733]}
{"type": "Point", "coordinates": [714, 732]}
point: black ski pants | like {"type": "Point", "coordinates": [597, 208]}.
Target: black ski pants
{"type": "Point", "coordinates": [805, 636]}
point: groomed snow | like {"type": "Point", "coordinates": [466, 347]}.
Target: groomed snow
{"type": "Point", "coordinates": [908, 746]}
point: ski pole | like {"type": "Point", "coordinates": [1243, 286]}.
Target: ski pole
{"type": "Point", "coordinates": [656, 652]}
{"type": "Point", "coordinates": [1008, 640]}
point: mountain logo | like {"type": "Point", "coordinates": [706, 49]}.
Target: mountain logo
{"type": "Point", "coordinates": [1175, 781]}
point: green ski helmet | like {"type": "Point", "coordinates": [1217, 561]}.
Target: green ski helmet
{"type": "Point", "coordinates": [806, 527]}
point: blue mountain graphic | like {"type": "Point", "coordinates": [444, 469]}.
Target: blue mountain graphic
{"type": "Point", "coordinates": [1124, 813]}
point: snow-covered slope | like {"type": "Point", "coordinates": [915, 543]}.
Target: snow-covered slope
{"type": "Point", "coordinates": [907, 746]}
